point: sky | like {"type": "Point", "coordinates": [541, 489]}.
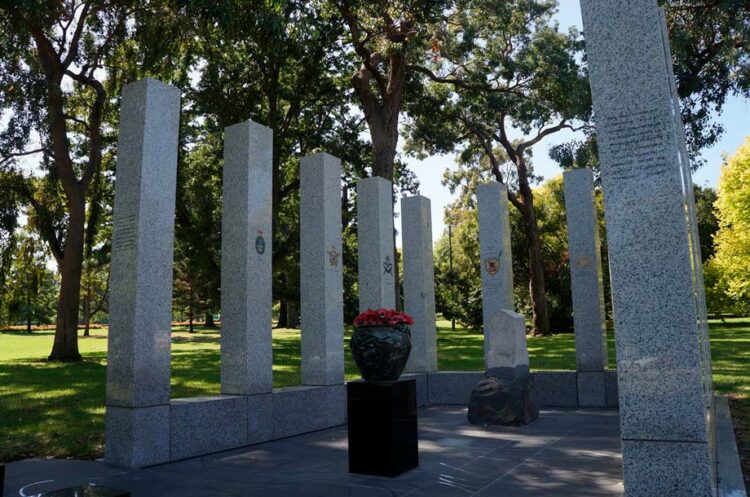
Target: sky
{"type": "Point", "coordinates": [735, 118]}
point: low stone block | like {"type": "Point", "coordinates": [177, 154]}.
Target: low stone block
{"type": "Point", "coordinates": [136, 437]}
{"type": "Point", "coordinates": [610, 384]}
{"type": "Point", "coordinates": [729, 470]}
{"type": "Point", "coordinates": [591, 389]}
{"type": "Point", "coordinates": [299, 410]}
{"type": "Point", "coordinates": [659, 469]}
{"type": "Point", "coordinates": [556, 388]}
{"type": "Point", "coordinates": [422, 393]}
{"type": "Point", "coordinates": [203, 425]}
{"type": "Point", "coordinates": [259, 418]}
{"type": "Point", "coordinates": [335, 405]}
{"type": "Point", "coordinates": [452, 387]}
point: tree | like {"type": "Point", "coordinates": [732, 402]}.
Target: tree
{"type": "Point", "coordinates": [458, 291]}
{"type": "Point", "coordinates": [710, 42]}
{"type": "Point", "coordinates": [708, 223]}
{"type": "Point", "coordinates": [53, 54]}
{"type": "Point", "coordinates": [31, 285]}
{"type": "Point", "coordinates": [387, 38]}
{"type": "Point", "coordinates": [497, 71]}
{"type": "Point", "coordinates": [732, 241]}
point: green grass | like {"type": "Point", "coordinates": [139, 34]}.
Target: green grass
{"type": "Point", "coordinates": [50, 409]}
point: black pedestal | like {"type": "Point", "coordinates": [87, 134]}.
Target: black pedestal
{"type": "Point", "coordinates": [382, 427]}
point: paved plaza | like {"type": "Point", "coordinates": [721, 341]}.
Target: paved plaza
{"type": "Point", "coordinates": [566, 452]}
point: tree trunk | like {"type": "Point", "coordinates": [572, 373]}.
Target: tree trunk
{"type": "Point", "coordinates": [537, 291]}
{"type": "Point", "coordinates": [28, 304]}
{"type": "Point", "coordinates": [292, 314]}
{"type": "Point", "coordinates": [87, 309]}
{"type": "Point", "coordinates": [190, 311]}
{"type": "Point", "coordinates": [209, 322]}
{"type": "Point", "coordinates": [283, 318]}
{"type": "Point", "coordinates": [65, 347]}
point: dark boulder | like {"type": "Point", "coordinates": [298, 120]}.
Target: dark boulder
{"type": "Point", "coordinates": [506, 397]}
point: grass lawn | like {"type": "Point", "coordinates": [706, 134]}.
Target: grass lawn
{"type": "Point", "coordinates": [57, 410]}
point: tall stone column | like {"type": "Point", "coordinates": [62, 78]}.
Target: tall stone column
{"type": "Point", "coordinates": [322, 292]}
{"type": "Point", "coordinates": [494, 247]}
{"type": "Point", "coordinates": [663, 367]}
{"type": "Point", "coordinates": [246, 281]}
{"type": "Point", "coordinates": [375, 241]}
{"type": "Point", "coordinates": [587, 287]}
{"type": "Point", "coordinates": [419, 282]}
{"type": "Point", "coordinates": [140, 304]}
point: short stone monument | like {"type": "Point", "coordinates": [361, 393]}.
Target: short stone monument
{"type": "Point", "coordinates": [321, 268]}
{"type": "Point", "coordinates": [377, 283]}
{"type": "Point", "coordinates": [140, 308]}
{"type": "Point", "coordinates": [419, 282]}
{"type": "Point", "coordinates": [507, 395]}
{"type": "Point", "coordinates": [664, 369]}
{"type": "Point", "coordinates": [587, 287]}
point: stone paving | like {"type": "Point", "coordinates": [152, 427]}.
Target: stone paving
{"type": "Point", "coordinates": [566, 452]}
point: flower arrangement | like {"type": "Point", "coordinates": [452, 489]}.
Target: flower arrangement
{"type": "Point", "coordinates": [383, 317]}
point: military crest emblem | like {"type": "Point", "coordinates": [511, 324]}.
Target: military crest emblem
{"type": "Point", "coordinates": [333, 256]}
{"type": "Point", "coordinates": [492, 265]}
{"type": "Point", "coordinates": [260, 244]}
{"type": "Point", "coordinates": [387, 265]}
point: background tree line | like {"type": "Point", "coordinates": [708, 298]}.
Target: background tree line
{"type": "Point", "coordinates": [487, 80]}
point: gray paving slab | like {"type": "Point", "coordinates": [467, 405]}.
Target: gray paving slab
{"type": "Point", "coordinates": [567, 452]}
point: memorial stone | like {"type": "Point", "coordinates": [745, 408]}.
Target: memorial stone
{"type": "Point", "coordinates": [322, 293]}
{"type": "Point", "coordinates": [246, 279]}
{"type": "Point", "coordinates": [375, 241]}
{"type": "Point", "coordinates": [419, 282]}
{"type": "Point", "coordinates": [663, 366]}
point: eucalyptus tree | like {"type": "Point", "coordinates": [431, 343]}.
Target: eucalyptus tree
{"type": "Point", "coordinates": [53, 84]}
{"type": "Point", "coordinates": [501, 78]}
{"type": "Point", "coordinates": [710, 42]}
{"type": "Point", "coordinates": [385, 38]}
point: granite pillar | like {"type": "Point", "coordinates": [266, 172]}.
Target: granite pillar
{"type": "Point", "coordinates": [246, 281]}
{"type": "Point", "coordinates": [494, 248]}
{"type": "Point", "coordinates": [140, 305]}
{"type": "Point", "coordinates": [662, 361]}
{"type": "Point", "coordinates": [321, 276]}
{"type": "Point", "coordinates": [419, 282]}
{"type": "Point", "coordinates": [377, 284]}
{"type": "Point", "coordinates": [585, 271]}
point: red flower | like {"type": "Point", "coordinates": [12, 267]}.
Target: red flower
{"type": "Point", "coordinates": [383, 317]}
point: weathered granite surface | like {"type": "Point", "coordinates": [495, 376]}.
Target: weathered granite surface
{"type": "Point", "coordinates": [202, 425]}
{"type": "Point", "coordinates": [377, 287]}
{"type": "Point", "coordinates": [592, 391]}
{"type": "Point", "coordinates": [505, 341]}
{"type": "Point", "coordinates": [419, 282]}
{"type": "Point", "coordinates": [140, 303]}
{"type": "Point", "coordinates": [662, 350]}
{"type": "Point", "coordinates": [587, 282]}
{"type": "Point", "coordinates": [246, 250]}
{"type": "Point", "coordinates": [136, 436]}
{"type": "Point", "coordinates": [321, 271]}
